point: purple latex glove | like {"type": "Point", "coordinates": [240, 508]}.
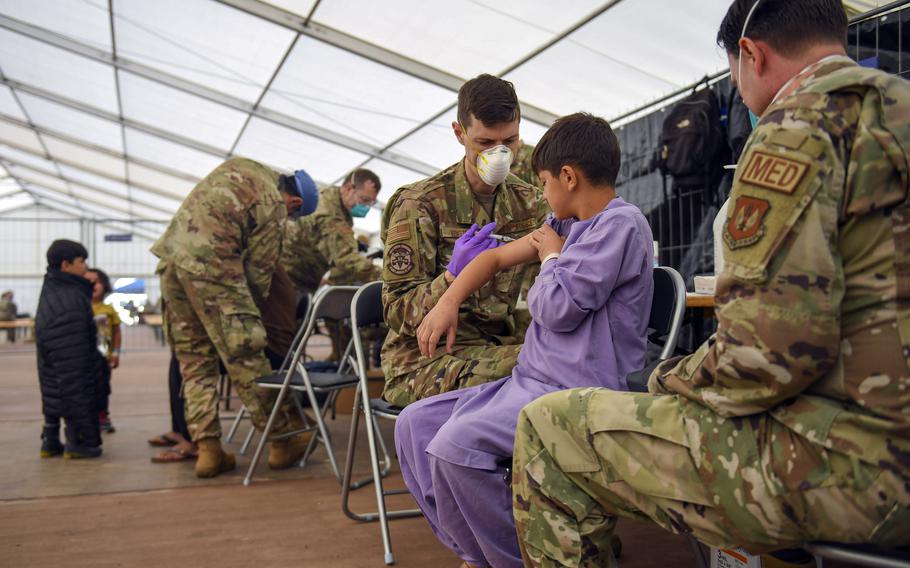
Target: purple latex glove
{"type": "Point", "coordinates": [469, 245]}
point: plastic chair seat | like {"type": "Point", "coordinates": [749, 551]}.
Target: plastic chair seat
{"type": "Point", "coordinates": [318, 380]}
{"type": "Point", "coordinates": [384, 408]}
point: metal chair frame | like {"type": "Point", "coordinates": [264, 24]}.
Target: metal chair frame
{"type": "Point", "coordinates": [671, 327]}
{"type": "Point", "coordinates": [297, 378]}
{"type": "Point", "coordinates": [861, 555]}
{"type": "Point", "coordinates": [241, 414]}
{"type": "Point", "coordinates": [366, 310]}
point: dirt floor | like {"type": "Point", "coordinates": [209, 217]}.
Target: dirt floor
{"type": "Point", "coordinates": [121, 510]}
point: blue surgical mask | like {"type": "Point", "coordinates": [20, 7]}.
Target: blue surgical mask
{"type": "Point", "coordinates": [360, 210]}
{"type": "Point", "coordinates": [753, 118]}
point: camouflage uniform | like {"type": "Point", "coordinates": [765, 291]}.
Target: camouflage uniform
{"type": "Point", "coordinates": [8, 313]}
{"type": "Point", "coordinates": [522, 169]}
{"type": "Point", "coordinates": [325, 241]}
{"type": "Point", "coordinates": [792, 423]}
{"type": "Point", "coordinates": [217, 259]}
{"type": "Point", "coordinates": [420, 225]}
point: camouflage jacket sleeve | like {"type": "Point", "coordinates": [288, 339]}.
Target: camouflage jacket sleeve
{"type": "Point", "coordinates": [263, 247]}
{"type": "Point", "coordinates": [412, 285]}
{"type": "Point", "coordinates": [338, 244]}
{"type": "Point", "coordinates": [778, 299]}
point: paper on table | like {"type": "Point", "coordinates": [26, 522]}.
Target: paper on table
{"type": "Point", "coordinates": [704, 284]}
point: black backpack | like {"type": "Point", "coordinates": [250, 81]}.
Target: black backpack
{"type": "Point", "coordinates": [692, 141]}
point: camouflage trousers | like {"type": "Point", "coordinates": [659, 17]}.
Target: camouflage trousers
{"type": "Point", "coordinates": [205, 321]}
{"type": "Point", "coordinates": [584, 457]}
{"type": "Point", "coordinates": [465, 367]}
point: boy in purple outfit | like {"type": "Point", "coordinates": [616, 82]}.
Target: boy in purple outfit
{"type": "Point", "coordinates": [590, 307]}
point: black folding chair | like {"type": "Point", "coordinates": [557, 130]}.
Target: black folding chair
{"type": "Point", "coordinates": [366, 311]}
{"type": "Point", "coordinates": [667, 309]}
{"type": "Point", "coordinates": [304, 310]}
{"type": "Point", "coordinates": [331, 303]}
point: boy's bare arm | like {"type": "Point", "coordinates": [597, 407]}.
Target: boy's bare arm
{"type": "Point", "coordinates": [487, 264]}
{"type": "Point", "coordinates": [116, 338]}
{"type": "Point", "coordinates": [443, 318]}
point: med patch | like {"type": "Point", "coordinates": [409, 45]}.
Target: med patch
{"type": "Point", "coordinates": [746, 225]}
{"type": "Point", "coordinates": [774, 172]}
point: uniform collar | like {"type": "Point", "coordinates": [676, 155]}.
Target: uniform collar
{"type": "Point", "coordinates": [331, 197]}
{"type": "Point", "coordinates": [464, 196]}
{"type": "Point", "coordinates": [823, 66]}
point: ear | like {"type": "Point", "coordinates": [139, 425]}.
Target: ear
{"type": "Point", "coordinates": [753, 51]}
{"type": "Point", "coordinates": [292, 202]}
{"type": "Point", "coordinates": [761, 57]}
{"type": "Point", "coordinates": [459, 133]}
{"type": "Point", "coordinates": [569, 177]}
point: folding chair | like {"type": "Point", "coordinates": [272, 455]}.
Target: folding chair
{"type": "Point", "coordinates": [304, 310]}
{"type": "Point", "coordinates": [332, 303]}
{"type": "Point", "coordinates": [850, 554]}
{"type": "Point", "coordinates": [366, 311]}
{"type": "Point", "coordinates": [667, 309]}
{"type": "Point", "coordinates": [862, 554]}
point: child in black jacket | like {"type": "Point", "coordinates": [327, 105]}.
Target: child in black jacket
{"type": "Point", "coordinates": [68, 357]}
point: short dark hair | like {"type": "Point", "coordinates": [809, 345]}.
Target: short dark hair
{"type": "Point", "coordinates": [361, 175]}
{"type": "Point", "coordinates": [583, 141]}
{"type": "Point", "coordinates": [788, 26]}
{"type": "Point", "coordinates": [64, 249]}
{"type": "Point", "coordinates": [103, 278]}
{"type": "Point", "coordinates": [490, 99]}
{"type": "Point", "coordinates": [287, 185]}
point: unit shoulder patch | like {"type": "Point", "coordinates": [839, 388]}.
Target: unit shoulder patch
{"type": "Point", "coordinates": [746, 225]}
{"type": "Point", "coordinates": [400, 259]}
{"type": "Point", "coordinates": [774, 172]}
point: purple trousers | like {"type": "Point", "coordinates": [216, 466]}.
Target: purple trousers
{"type": "Point", "coordinates": [469, 509]}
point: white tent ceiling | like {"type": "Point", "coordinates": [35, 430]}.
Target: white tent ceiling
{"type": "Point", "coordinates": [115, 108]}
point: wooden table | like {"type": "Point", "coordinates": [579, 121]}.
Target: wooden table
{"type": "Point", "coordinates": [703, 301]}
{"type": "Point", "coordinates": [27, 324]}
{"type": "Point", "coordinates": [702, 308]}
{"type": "Point", "coordinates": [151, 319]}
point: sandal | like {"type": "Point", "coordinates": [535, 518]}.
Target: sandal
{"type": "Point", "coordinates": [163, 441]}
{"type": "Point", "coordinates": [173, 455]}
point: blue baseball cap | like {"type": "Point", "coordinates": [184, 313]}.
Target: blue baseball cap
{"type": "Point", "coordinates": [307, 190]}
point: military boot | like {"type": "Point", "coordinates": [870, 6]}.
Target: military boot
{"type": "Point", "coordinates": [50, 441]}
{"type": "Point", "coordinates": [285, 453]}
{"type": "Point", "coordinates": [213, 460]}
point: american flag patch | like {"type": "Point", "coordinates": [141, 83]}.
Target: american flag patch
{"type": "Point", "coordinates": [399, 232]}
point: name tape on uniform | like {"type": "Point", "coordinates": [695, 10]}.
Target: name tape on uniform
{"type": "Point", "coordinates": [774, 172]}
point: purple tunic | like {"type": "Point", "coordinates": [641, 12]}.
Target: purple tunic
{"type": "Point", "coordinates": [590, 310]}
